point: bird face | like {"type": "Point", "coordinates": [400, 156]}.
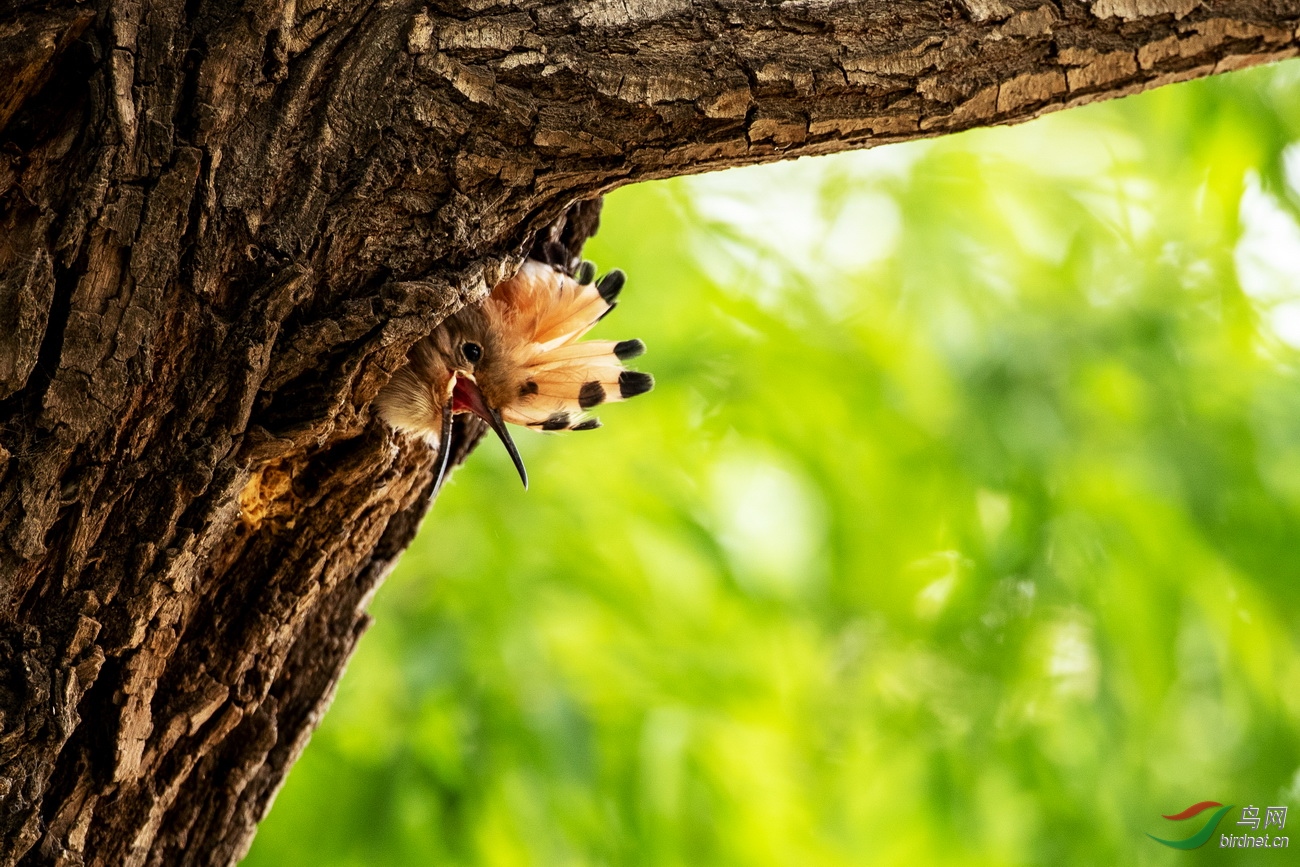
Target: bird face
{"type": "Point", "coordinates": [516, 357]}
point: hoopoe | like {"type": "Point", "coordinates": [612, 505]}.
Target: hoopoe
{"type": "Point", "coordinates": [516, 357]}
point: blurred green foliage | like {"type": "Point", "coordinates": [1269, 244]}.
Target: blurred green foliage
{"type": "Point", "coordinates": [963, 527]}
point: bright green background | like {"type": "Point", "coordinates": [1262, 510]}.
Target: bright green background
{"type": "Point", "coordinates": [963, 527]}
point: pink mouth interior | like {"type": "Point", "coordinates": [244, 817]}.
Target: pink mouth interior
{"type": "Point", "coordinates": [464, 396]}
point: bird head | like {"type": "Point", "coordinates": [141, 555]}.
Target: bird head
{"type": "Point", "coordinates": [517, 357]}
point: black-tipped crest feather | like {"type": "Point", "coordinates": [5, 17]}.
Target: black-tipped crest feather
{"type": "Point", "coordinates": [527, 364]}
{"type": "Point", "coordinates": [633, 382]}
{"type": "Point", "coordinates": [591, 394]}
{"type": "Point", "coordinates": [625, 349]}
{"type": "Point", "coordinates": [610, 285]}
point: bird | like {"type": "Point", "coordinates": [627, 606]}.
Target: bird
{"type": "Point", "coordinates": [517, 357]}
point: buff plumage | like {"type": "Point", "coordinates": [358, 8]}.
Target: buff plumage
{"type": "Point", "coordinates": [518, 357]}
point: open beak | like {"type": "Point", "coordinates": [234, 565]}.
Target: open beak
{"type": "Point", "coordinates": [467, 396]}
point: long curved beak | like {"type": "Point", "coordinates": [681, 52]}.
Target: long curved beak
{"type": "Point", "coordinates": [466, 395]}
{"type": "Point", "coordinates": [444, 448]}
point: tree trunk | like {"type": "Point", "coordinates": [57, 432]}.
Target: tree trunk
{"type": "Point", "coordinates": [222, 227]}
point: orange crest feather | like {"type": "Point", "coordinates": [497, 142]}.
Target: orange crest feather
{"type": "Point", "coordinates": [547, 313]}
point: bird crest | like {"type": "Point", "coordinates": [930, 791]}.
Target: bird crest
{"type": "Point", "coordinates": [517, 357]}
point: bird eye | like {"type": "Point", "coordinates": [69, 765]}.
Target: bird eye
{"type": "Point", "coordinates": [473, 352]}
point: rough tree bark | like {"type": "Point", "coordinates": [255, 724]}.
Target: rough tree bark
{"type": "Point", "coordinates": [221, 226]}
